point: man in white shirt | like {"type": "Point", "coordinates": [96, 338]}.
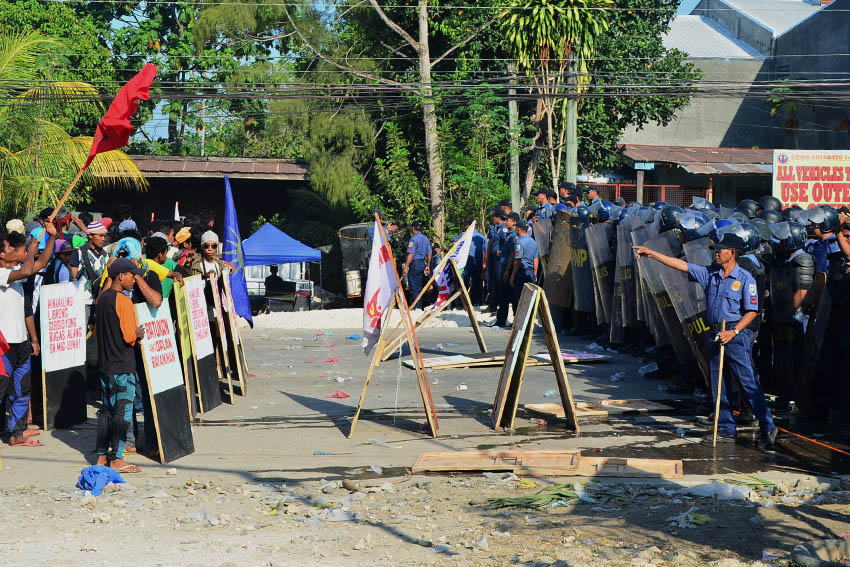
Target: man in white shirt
{"type": "Point", "coordinates": [17, 262]}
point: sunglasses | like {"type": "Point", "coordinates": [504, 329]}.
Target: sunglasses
{"type": "Point", "coordinates": [209, 246]}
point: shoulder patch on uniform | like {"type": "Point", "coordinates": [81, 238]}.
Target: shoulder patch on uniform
{"type": "Point", "coordinates": [753, 289]}
{"type": "Point", "coordinates": [736, 285]}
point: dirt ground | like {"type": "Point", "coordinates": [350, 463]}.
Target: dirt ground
{"type": "Point", "coordinates": [274, 480]}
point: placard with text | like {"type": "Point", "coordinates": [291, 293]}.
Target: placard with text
{"type": "Point", "coordinates": [809, 178]}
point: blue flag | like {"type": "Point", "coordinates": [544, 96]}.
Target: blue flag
{"type": "Point", "coordinates": [233, 253]}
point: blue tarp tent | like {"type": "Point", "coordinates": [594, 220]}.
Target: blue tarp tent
{"type": "Point", "coordinates": [271, 246]}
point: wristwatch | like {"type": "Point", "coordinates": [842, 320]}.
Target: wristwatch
{"type": "Point", "coordinates": [736, 331]}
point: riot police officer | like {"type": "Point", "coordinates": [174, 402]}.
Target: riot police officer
{"type": "Point", "coordinates": [526, 260]}
{"type": "Point", "coordinates": [416, 267]}
{"type": "Point", "coordinates": [507, 243]}
{"type": "Point", "coordinates": [491, 258]}
{"type": "Point", "coordinates": [731, 296]}
{"type": "Point", "coordinates": [544, 208]}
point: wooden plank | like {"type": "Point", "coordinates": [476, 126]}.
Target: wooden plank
{"type": "Point", "coordinates": [516, 353]}
{"type": "Point", "coordinates": [561, 378]}
{"type": "Point", "coordinates": [573, 357]}
{"type": "Point", "coordinates": [397, 342]}
{"type": "Point", "coordinates": [598, 409]}
{"type": "Point", "coordinates": [470, 309]}
{"type": "Point", "coordinates": [629, 468]}
{"type": "Point", "coordinates": [496, 460]}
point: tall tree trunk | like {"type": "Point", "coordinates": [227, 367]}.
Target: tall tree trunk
{"type": "Point", "coordinates": [550, 137]}
{"type": "Point", "coordinates": [513, 126]}
{"type": "Point", "coordinates": [572, 124]}
{"type": "Point", "coordinates": [432, 138]}
{"type": "Point", "coordinates": [531, 170]}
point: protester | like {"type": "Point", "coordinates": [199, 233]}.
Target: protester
{"type": "Point", "coordinates": [117, 334]}
{"type": "Point", "coordinates": [273, 283]}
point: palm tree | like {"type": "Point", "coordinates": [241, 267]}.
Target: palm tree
{"type": "Point", "coordinates": [552, 41]}
{"type": "Point", "coordinates": [38, 157]}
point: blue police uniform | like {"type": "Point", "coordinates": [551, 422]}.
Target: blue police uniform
{"type": "Point", "coordinates": [545, 210]}
{"type": "Point", "coordinates": [420, 247]}
{"type": "Point", "coordinates": [507, 243]}
{"type": "Point", "coordinates": [526, 251]}
{"type": "Point", "coordinates": [728, 299]}
{"type": "Point", "coordinates": [822, 250]}
{"type": "Point", "coordinates": [492, 261]}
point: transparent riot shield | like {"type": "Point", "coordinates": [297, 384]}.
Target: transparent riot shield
{"type": "Point", "coordinates": [599, 237]}
{"type": "Point", "coordinates": [541, 231]}
{"type": "Point", "coordinates": [558, 280]}
{"type": "Point", "coordinates": [583, 296]}
{"type": "Point", "coordinates": [652, 271]}
{"type": "Point", "coordinates": [625, 276]}
{"type": "Point", "coordinates": [647, 305]}
{"type": "Point", "coordinates": [790, 365]}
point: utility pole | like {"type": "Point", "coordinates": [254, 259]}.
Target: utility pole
{"type": "Point", "coordinates": [572, 121]}
{"type": "Point", "coordinates": [513, 127]}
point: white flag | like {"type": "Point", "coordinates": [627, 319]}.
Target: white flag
{"type": "Point", "coordinates": [176, 210]}
{"type": "Point", "coordinates": [381, 283]}
{"type": "Point", "coordinates": [445, 279]}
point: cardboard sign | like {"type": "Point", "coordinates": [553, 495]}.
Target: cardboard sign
{"type": "Point", "coordinates": [63, 326]}
{"type": "Point", "coordinates": [194, 288]}
{"type": "Point", "coordinates": [811, 177]}
{"type": "Point", "coordinates": [221, 335]}
{"type": "Point", "coordinates": [159, 347]}
{"type": "Point", "coordinates": [184, 344]}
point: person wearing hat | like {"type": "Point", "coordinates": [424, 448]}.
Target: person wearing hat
{"type": "Point", "coordinates": [544, 209]}
{"type": "Point", "coordinates": [88, 262]}
{"type": "Point", "coordinates": [15, 225]}
{"type": "Point", "coordinates": [417, 264]}
{"type": "Point", "coordinates": [526, 260]}
{"type": "Point", "coordinates": [491, 259]}
{"type": "Point", "coordinates": [117, 332]}
{"type": "Point", "coordinates": [57, 271]}
{"type": "Point", "coordinates": [565, 189]}
{"type": "Point", "coordinates": [505, 254]}
{"type": "Point", "coordinates": [208, 262]}
{"type": "Point", "coordinates": [731, 295]}
{"type": "Point", "coordinates": [506, 206]}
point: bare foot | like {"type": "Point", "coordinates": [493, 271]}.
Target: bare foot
{"type": "Point", "coordinates": [101, 461]}
{"type": "Point", "coordinates": [123, 466]}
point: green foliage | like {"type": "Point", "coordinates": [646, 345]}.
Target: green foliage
{"type": "Point", "coordinates": [401, 191]}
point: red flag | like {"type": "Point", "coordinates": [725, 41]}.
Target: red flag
{"type": "Point", "coordinates": [4, 348]}
{"type": "Point", "coordinates": [114, 130]}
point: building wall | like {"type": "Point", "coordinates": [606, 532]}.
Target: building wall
{"type": "Point", "coordinates": [738, 24]}
{"type": "Point", "coordinates": [714, 121]}
{"type": "Point", "coordinates": [822, 124]}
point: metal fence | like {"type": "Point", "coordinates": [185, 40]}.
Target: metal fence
{"type": "Point", "coordinates": [673, 194]}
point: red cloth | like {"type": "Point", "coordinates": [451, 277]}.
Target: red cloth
{"type": "Point", "coordinates": [114, 130]}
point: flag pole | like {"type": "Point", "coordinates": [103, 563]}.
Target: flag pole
{"type": "Point", "coordinates": [67, 193]}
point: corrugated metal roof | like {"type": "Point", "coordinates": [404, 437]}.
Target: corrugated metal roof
{"type": "Point", "coordinates": [701, 37]}
{"type": "Point", "coordinates": [247, 168]}
{"type": "Point", "coordinates": [705, 161]}
{"type": "Point", "coordinates": [777, 15]}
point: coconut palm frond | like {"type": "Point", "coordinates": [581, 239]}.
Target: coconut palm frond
{"type": "Point", "coordinates": [18, 56]}
{"type": "Point", "coordinates": [66, 92]}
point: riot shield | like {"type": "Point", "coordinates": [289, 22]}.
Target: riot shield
{"type": "Point", "coordinates": [617, 332]}
{"type": "Point", "coordinates": [558, 280]}
{"type": "Point", "coordinates": [689, 303]}
{"type": "Point", "coordinates": [583, 296]}
{"type": "Point", "coordinates": [625, 276]}
{"type": "Point", "coordinates": [603, 262]}
{"type": "Point", "coordinates": [647, 305]}
{"type": "Point", "coordinates": [653, 272]}
{"type": "Point", "coordinates": [790, 365]}
{"type": "Point", "coordinates": [815, 334]}
{"type": "Point", "coordinates": [542, 233]}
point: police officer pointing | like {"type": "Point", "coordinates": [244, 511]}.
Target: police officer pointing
{"type": "Point", "coordinates": [732, 296]}
{"type": "Point", "coordinates": [418, 259]}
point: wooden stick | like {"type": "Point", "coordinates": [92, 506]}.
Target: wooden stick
{"type": "Point", "coordinates": [830, 447]}
{"type": "Point", "coordinates": [719, 386]}
{"type": "Point", "coordinates": [65, 196]}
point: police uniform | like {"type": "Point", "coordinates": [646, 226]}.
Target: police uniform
{"type": "Point", "coordinates": [823, 251]}
{"type": "Point", "coordinates": [545, 210]}
{"type": "Point", "coordinates": [728, 299]}
{"type": "Point", "coordinates": [493, 263]}
{"type": "Point", "coordinates": [507, 243]}
{"type": "Point", "coordinates": [526, 252]}
{"type": "Point", "coordinates": [420, 247]}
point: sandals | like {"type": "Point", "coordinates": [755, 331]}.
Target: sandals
{"type": "Point", "coordinates": [27, 442]}
{"type": "Point", "coordinates": [129, 469]}
{"type": "Point", "coordinates": [32, 433]}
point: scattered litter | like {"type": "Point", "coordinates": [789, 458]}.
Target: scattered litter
{"type": "Point", "coordinates": [435, 381]}
{"type": "Point", "coordinates": [618, 377]}
{"type": "Point", "coordinates": [768, 556]}
{"type": "Point", "coordinates": [338, 394]}
{"type": "Point", "coordinates": [329, 333]}
{"type": "Point", "coordinates": [332, 359]}
{"type": "Point", "coordinates": [376, 469]}
{"type": "Point", "coordinates": [594, 347]}
{"type": "Point", "coordinates": [171, 472]}
{"type": "Point", "coordinates": [504, 477]}
{"type": "Point", "coordinates": [548, 393]}
{"type": "Point", "coordinates": [689, 519]}
{"type": "Point", "coordinates": [354, 337]}
{"type": "Point", "coordinates": [308, 362]}
{"type": "Point", "coordinates": [495, 533]}
{"type": "Point", "coordinates": [680, 432]}
{"type": "Point", "coordinates": [647, 368]}
{"type": "Point", "coordinates": [612, 350]}
{"type": "Point", "coordinates": [482, 544]}
{"type": "Point", "coordinates": [541, 423]}
{"type": "Point", "coordinates": [96, 477]}
{"type": "Point", "coordinates": [440, 346]}
{"type": "Point", "coordinates": [314, 338]}
{"type": "Point", "coordinates": [380, 443]}
{"type": "Point", "coordinates": [540, 499]}
{"type": "Point", "coordinates": [343, 379]}
{"type": "Point", "coordinates": [461, 388]}
{"type": "Point", "coordinates": [720, 490]}
{"type": "Point", "coordinates": [318, 452]}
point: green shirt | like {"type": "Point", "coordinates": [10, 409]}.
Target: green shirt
{"type": "Point", "coordinates": [168, 283]}
{"type": "Point", "coordinates": [78, 241]}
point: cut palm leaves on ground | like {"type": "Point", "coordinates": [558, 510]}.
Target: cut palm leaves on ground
{"type": "Point", "coordinates": [539, 499]}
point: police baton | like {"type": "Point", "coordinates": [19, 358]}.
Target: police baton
{"type": "Point", "coordinates": [719, 386]}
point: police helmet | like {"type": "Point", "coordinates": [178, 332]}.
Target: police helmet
{"type": "Point", "coordinates": [824, 217]}
{"type": "Point", "coordinates": [702, 204]}
{"type": "Point", "coordinates": [625, 213]}
{"type": "Point", "coordinates": [771, 215]}
{"type": "Point", "coordinates": [789, 235]}
{"type": "Point", "coordinates": [669, 218]}
{"type": "Point", "coordinates": [748, 207]}
{"type": "Point", "coordinates": [694, 224]}
{"type": "Point", "coordinates": [763, 226]}
{"type": "Point", "coordinates": [733, 236]}
{"type": "Point", "coordinates": [787, 213]}
{"type": "Point", "coordinates": [582, 215]}
{"type": "Point", "coordinates": [751, 238]}
{"type": "Point", "coordinates": [658, 205]}
{"type": "Point", "coordinates": [599, 211]}
{"type": "Point", "coordinates": [770, 203]}
{"type": "Point", "coordinates": [739, 215]}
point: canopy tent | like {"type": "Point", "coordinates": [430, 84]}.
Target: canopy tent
{"type": "Point", "coordinates": [270, 245]}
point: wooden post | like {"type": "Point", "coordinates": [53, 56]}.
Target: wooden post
{"type": "Point", "coordinates": [67, 193]}
{"type": "Point", "coordinates": [719, 388]}
{"type": "Point", "coordinates": [639, 196]}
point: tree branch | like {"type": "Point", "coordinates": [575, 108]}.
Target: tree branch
{"type": "Point", "coordinates": [330, 61]}
{"type": "Point", "coordinates": [394, 26]}
{"type": "Point", "coordinates": [469, 38]}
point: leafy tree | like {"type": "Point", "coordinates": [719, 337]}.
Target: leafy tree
{"type": "Point", "coordinates": [38, 157]}
{"type": "Point", "coordinates": [402, 198]}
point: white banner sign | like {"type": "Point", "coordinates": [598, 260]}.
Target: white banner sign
{"type": "Point", "coordinates": [198, 314]}
{"type": "Point", "coordinates": [162, 361]}
{"type": "Point", "coordinates": [63, 326]}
